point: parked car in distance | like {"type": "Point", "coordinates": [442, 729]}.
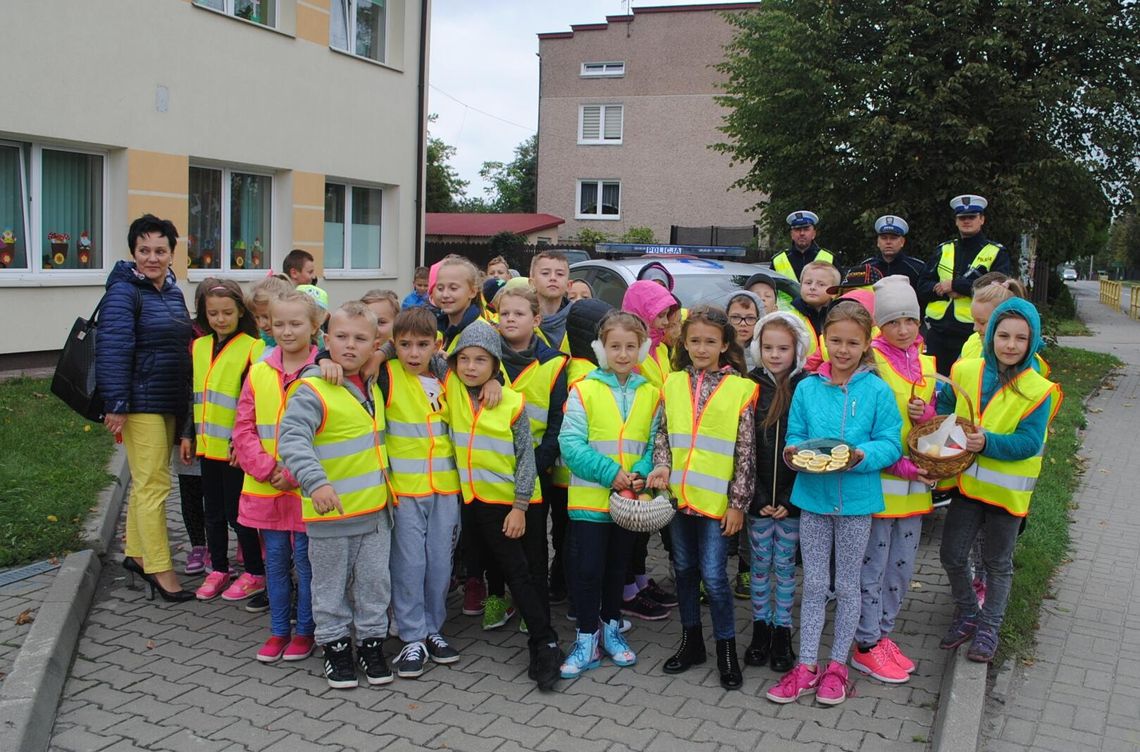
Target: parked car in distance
{"type": "Point", "coordinates": [1069, 274]}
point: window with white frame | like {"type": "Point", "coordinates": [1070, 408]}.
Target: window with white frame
{"type": "Point", "coordinates": [600, 123]}
{"type": "Point", "coordinates": [262, 12]}
{"type": "Point", "coordinates": [231, 219]}
{"type": "Point", "coordinates": [599, 199]}
{"type": "Point", "coordinates": [51, 208]}
{"type": "Point", "coordinates": [352, 226]}
{"type": "Point", "coordinates": [603, 70]}
{"type": "Point", "coordinates": [360, 27]}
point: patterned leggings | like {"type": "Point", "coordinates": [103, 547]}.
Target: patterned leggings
{"type": "Point", "coordinates": [773, 551]}
{"type": "Point", "coordinates": [820, 534]}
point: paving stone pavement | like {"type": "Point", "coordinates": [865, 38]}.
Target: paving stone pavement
{"type": "Point", "coordinates": [1082, 691]}
{"type": "Point", "coordinates": [17, 597]}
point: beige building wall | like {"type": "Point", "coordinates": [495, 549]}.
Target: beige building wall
{"type": "Point", "coordinates": [668, 174]}
{"type": "Point", "coordinates": [155, 85]}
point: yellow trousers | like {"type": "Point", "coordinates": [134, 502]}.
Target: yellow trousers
{"type": "Point", "coordinates": [147, 438]}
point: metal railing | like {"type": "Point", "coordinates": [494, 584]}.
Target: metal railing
{"type": "Point", "coordinates": [1110, 293]}
{"type": "Point", "coordinates": [1134, 302]}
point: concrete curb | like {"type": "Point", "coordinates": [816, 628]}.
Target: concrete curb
{"type": "Point", "coordinates": [961, 701]}
{"type": "Point", "coordinates": [100, 528]}
{"type": "Point", "coordinates": [30, 694]}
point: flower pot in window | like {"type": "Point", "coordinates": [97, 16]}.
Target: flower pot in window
{"type": "Point", "coordinates": [7, 248]}
{"type": "Point", "coordinates": [208, 258]}
{"type": "Point", "coordinates": [239, 255]}
{"type": "Point", "coordinates": [60, 242]}
{"type": "Point", "coordinates": [255, 255]}
{"type": "Point", "coordinates": [84, 249]}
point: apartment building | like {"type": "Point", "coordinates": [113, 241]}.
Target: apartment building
{"type": "Point", "coordinates": [256, 126]}
{"type": "Point", "coordinates": [626, 117]}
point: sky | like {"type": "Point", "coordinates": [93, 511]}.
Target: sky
{"type": "Point", "coordinates": [483, 71]}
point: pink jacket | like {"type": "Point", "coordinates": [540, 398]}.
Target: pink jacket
{"type": "Point", "coordinates": [906, 362]}
{"type": "Point", "coordinates": [647, 300]}
{"type": "Point", "coordinates": [284, 511]}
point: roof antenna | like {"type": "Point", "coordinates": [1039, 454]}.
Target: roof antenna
{"type": "Point", "coordinates": [628, 16]}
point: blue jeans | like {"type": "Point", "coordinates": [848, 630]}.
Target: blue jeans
{"type": "Point", "coordinates": [284, 550]}
{"type": "Point", "coordinates": [999, 528]}
{"type": "Point", "coordinates": [700, 552]}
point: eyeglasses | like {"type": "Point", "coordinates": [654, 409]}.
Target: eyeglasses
{"type": "Point", "coordinates": [737, 319]}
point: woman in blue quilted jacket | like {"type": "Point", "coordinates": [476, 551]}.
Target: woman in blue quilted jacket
{"type": "Point", "coordinates": [142, 369]}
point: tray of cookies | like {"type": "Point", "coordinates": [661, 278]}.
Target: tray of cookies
{"type": "Point", "coordinates": [820, 456]}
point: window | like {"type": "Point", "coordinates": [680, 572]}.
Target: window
{"type": "Point", "coordinates": [600, 123]}
{"type": "Point", "coordinates": [51, 200]}
{"type": "Point", "coordinates": [360, 27]}
{"type": "Point", "coordinates": [352, 226]}
{"type": "Point", "coordinates": [231, 219]}
{"type": "Point", "coordinates": [589, 205]}
{"type": "Point", "coordinates": [600, 70]}
{"type": "Point", "coordinates": [262, 12]}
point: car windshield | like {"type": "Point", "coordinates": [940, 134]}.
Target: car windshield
{"type": "Point", "coordinates": [696, 289]}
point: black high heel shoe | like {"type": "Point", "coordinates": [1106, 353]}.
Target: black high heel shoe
{"type": "Point", "coordinates": [176, 596]}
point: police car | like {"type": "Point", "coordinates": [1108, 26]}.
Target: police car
{"type": "Point", "coordinates": [701, 274]}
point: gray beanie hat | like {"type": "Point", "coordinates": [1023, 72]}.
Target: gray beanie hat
{"type": "Point", "coordinates": [478, 334]}
{"type": "Point", "coordinates": [895, 299]}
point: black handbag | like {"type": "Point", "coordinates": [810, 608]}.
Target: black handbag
{"type": "Point", "coordinates": [74, 379]}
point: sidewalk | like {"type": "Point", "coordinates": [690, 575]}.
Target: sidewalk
{"type": "Point", "coordinates": [1083, 690]}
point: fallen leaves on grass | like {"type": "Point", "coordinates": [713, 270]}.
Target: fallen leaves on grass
{"type": "Point", "coordinates": [27, 616]}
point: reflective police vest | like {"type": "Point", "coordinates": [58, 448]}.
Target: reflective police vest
{"type": "Point", "coordinates": [973, 349]}
{"type": "Point", "coordinates": [350, 447]}
{"type": "Point", "coordinates": [656, 367]}
{"type": "Point", "coordinates": [905, 498]}
{"type": "Point", "coordinates": [217, 386]}
{"type": "Point", "coordinates": [484, 444]}
{"type": "Point", "coordinates": [936, 309]}
{"type": "Point", "coordinates": [576, 370]}
{"type": "Point", "coordinates": [623, 442]}
{"type": "Point", "coordinates": [1005, 484]}
{"type": "Point", "coordinates": [703, 449]}
{"type": "Point", "coordinates": [782, 264]}
{"type": "Point", "coordinates": [421, 454]}
{"type": "Point", "coordinates": [536, 384]}
{"type": "Point", "coordinates": [265, 383]}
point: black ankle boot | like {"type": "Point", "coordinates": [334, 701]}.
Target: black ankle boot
{"type": "Point", "coordinates": [726, 663]}
{"type": "Point", "coordinates": [761, 645]}
{"type": "Point", "coordinates": [783, 659]}
{"type": "Point", "coordinates": [690, 653]}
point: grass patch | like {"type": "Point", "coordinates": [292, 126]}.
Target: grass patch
{"type": "Point", "coordinates": [1072, 327]}
{"type": "Point", "coordinates": [52, 468]}
{"type": "Point", "coordinates": [1046, 540]}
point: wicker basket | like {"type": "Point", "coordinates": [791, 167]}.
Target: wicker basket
{"type": "Point", "coordinates": [642, 516]}
{"type": "Point", "coordinates": [937, 468]}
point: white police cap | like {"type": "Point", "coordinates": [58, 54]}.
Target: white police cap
{"type": "Point", "coordinates": [968, 204]}
{"type": "Point", "coordinates": [802, 218]}
{"type": "Point", "coordinates": [889, 224]}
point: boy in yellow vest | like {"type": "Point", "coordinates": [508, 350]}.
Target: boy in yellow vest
{"type": "Point", "coordinates": [550, 278]}
{"type": "Point", "coordinates": [332, 440]}
{"type": "Point", "coordinates": [810, 306]}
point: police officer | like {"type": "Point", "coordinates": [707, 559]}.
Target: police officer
{"type": "Point", "coordinates": [892, 258]}
{"type": "Point", "coordinates": [946, 285]}
{"type": "Point", "coordinates": [804, 249]}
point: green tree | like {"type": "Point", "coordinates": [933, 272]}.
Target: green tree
{"type": "Point", "coordinates": [444, 187]}
{"type": "Point", "coordinates": [863, 108]}
{"type": "Point", "coordinates": [513, 186]}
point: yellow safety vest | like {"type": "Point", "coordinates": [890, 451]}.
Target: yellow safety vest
{"type": "Point", "coordinates": [815, 342]}
{"type": "Point", "coordinates": [623, 442]}
{"type": "Point", "coordinates": [703, 449]}
{"type": "Point", "coordinates": [562, 347]}
{"type": "Point", "coordinates": [421, 455]}
{"type": "Point", "coordinates": [1005, 484]}
{"type": "Point", "coordinates": [217, 386]}
{"type": "Point", "coordinates": [536, 383]}
{"type": "Point", "coordinates": [656, 367]}
{"type": "Point", "coordinates": [576, 370]}
{"type": "Point", "coordinates": [936, 309]}
{"type": "Point", "coordinates": [905, 498]}
{"type": "Point", "coordinates": [485, 445]}
{"type": "Point", "coordinates": [783, 265]}
{"type": "Point", "coordinates": [268, 404]}
{"type": "Point", "coordinates": [350, 447]}
{"type": "Point", "coordinates": [973, 349]}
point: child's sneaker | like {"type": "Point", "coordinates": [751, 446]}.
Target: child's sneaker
{"type": "Point", "coordinates": [273, 649]}
{"type": "Point", "coordinates": [642, 606]}
{"type": "Point", "coordinates": [370, 656]}
{"type": "Point", "coordinates": [340, 671]}
{"type": "Point", "coordinates": [800, 681]}
{"type": "Point", "coordinates": [877, 663]}
{"type": "Point", "coordinates": [833, 686]}
{"type": "Point", "coordinates": [196, 560]}
{"type": "Point", "coordinates": [244, 587]}
{"type": "Point", "coordinates": [615, 646]}
{"type": "Point", "coordinates": [980, 591]}
{"type": "Point", "coordinates": [896, 655]}
{"type": "Point", "coordinates": [213, 585]}
{"type": "Point", "coordinates": [585, 655]}
{"type": "Point", "coordinates": [258, 604]}
{"type": "Point", "coordinates": [299, 648]}
{"type": "Point", "coordinates": [742, 586]}
{"type": "Point", "coordinates": [410, 662]}
{"type": "Point", "coordinates": [984, 646]}
{"type": "Point", "coordinates": [440, 651]}
{"type": "Point", "coordinates": [474, 593]}
{"type": "Point", "coordinates": [961, 630]}
{"type": "Point", "coordinates": [655, 592]}
{"type": "Point", "coordinates": [497, 611]}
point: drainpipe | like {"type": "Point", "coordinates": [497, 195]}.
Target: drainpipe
{"type": "Point", "coordinates": [421, 130]}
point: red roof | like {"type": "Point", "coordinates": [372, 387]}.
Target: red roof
{"type": "Point", "coordinates": [479, 225]}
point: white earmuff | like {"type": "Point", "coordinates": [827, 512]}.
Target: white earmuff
{"type": "Point", "coordinates": [754, 349]}
{"type": "Point", "coordinates": [643, 353]}
{"type": "Point", "coordinates": [600, 353]}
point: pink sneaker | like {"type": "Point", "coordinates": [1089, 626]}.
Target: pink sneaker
{"type": "Point", "coordinates": [799, 681]}
{"type": "Point", "coordinates": [896, 655]}
{"type": "Point", "coordinates": [980, 591]}
{"type": "Point", "coordinates": [833, 685]}
{"type": "Point", "coordinates": [300, 648]}
{"type": "Point", "coordinates": [196, 560]}
{"type": "Point", "coordinates": [877, 663]}
{"type": "Point", "coordinates": [244, 587]}
{"type": "Point", "coordinates": [213, 585]}
{"type": "Point", "coordinates": [272, 650]}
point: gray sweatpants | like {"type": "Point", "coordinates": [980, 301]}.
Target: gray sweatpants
{"type": "Point", "coordinates": [358, 563]}
{"type": "Point", "coordinates": [888, 566]}
{"type": "Point", "coordinates": [423, 541]}
{"type": "Point", "coordinates": [819, 533]}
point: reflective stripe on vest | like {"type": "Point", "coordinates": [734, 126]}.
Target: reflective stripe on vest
{"type": "Point", "coordinates": [624, 442]}
{"type": "Point", "coordinates": [350, 447]}
{"type": "Point", "coordinates": [710, 443]}
{"type": "Point", "coordinates": [268, 404]}
{"type": "Point", "coordinates": [421, 454]}
{"type": "Point", "coordinates": [936, 309]}
{"type": "Point", "coordinates": [904, 498]}
{"type": "Point", "coordinates": [656, 367]}
{"type": "Point", "coordinates": [217, 386]}
{"type": "Point", "coordinates": [1006, 484]}
{"type": "Point", "coordinates": [782, 264]}
{"type": "Point", "coordinates": [576, 370]}
{"type": "Point", "coordinates": [536, 384]}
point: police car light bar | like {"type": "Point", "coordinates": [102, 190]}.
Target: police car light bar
{"type": "Point", "coordinates": [643, 249]}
